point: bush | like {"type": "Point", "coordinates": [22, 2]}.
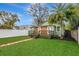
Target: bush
{"type": "Point", "coordinates": [34, 33]}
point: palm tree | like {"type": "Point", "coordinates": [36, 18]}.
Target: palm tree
{"type": "Point", "coordinates": [65, 12]}
{"type": "Point", "coordinates": [58, 15]}
{"type": "Point", "coordinates": [72, 15]}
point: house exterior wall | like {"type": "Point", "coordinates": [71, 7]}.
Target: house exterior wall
{"type": "Point", "coordinates": [39, 29]}
{"type": "Point", "coordinates": [21, 27]}
{"type": "Point", "coordinates": [43, 31]}
{"type": "Point", "coordinates": [55, 30]}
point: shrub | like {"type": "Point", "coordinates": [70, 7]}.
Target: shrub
{"type": "Point", "coordinates": [34, 33]}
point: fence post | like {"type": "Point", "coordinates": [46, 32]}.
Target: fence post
{"type": "Point", "coordinates": [78, 35]}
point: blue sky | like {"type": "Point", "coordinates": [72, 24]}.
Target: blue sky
{"type": "Point", "coordinates": [21, 10]}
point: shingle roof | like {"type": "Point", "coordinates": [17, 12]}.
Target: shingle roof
{"type": "Point", "coordinates": [47, 24]}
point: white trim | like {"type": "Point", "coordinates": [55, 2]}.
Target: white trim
{"type": "Point", "coordinates": [47, 30]}
{"type": "Point", "coordinates": [40, 30]}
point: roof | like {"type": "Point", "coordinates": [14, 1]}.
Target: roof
{"type": "Point", "coordinates": [47, 24]}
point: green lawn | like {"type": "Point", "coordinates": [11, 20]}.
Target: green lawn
{"type": "Point", "coordinates": [42, 47]}
{"type": "Point", "coordinates": [11, 39]}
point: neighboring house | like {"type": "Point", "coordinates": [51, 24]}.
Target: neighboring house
{"type": "Point", "coordinates": [24, 27]}
{"type": "Point", "coordinates": [46, 29]}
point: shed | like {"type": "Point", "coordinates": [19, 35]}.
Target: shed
{"type": "Point", "coordinates": [47, 29]}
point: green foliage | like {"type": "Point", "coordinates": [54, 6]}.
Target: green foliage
{"type": "Point", "coordinates": [65, 12]}
{"type": "Point", "coordinates": [58, 14]}
{"type": "Point", "coordinates": [72, 15]}
{"type": "Point", "coordinates": [50, 19]}
{"type": "Point", "coordinates": [68, 27]}
{"type": "Point", "coordinates": [33, 33]}
{"type": "Point", "coordinates": [8, 20]}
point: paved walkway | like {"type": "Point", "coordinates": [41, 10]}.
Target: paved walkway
{"type": "Point", "coordinates": [7, 44]}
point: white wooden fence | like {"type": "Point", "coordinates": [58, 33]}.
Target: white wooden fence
{"type": "Point", "coordinates": [12, 33]}
{"type": "Point", "coordinates": [75, 34]}
{"type": "Point", "coordinates": [78, 35]}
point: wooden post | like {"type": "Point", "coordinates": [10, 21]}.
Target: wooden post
{"type": "Point", "coordinates": [78, 35]}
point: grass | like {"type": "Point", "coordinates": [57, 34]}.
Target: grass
{"type": "Point", "coordinates": [11, 39]}
{"type": "Point", "coordinates": [42, 47]}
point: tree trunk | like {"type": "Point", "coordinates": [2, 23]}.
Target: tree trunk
{"type": "Point", "coordinates": [61, 37]}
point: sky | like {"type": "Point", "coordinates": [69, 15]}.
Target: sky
{"type": "Point", "coordinates": [21, 10]}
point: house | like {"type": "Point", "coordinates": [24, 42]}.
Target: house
{"type": "Point", "coordinates": [47, 30]}
{"type": "Point", "coordinates": [23, 27]}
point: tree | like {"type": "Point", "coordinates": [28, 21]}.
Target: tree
{"type": "Point", "coordinates": [8, 20]}
{"type": "Point", "coordinates": [65, 12]}
{"type": "Point", "coordinates": [0, 19]}
{"type": "Point", "coordinates": [58, 15]}
{"type": "Point", "coordinates": [72, 15]}
{"type": "Point", "coordinates": [39, 12]}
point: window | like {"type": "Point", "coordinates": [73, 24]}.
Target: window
{"type": "Point", "coordinates": [58, 28]}
{"type": "Point", "coordinates": [55, 28]}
